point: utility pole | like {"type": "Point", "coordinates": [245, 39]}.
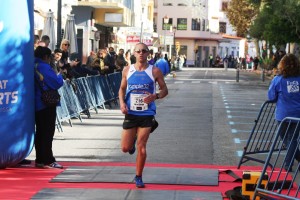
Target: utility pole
{"type": "Point", "coordinates": [58, 24]}
{"type": "Point", "coordinates": [166, 21]}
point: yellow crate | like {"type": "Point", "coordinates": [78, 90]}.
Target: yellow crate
{"type": "Point", "coordinates": [249, 183]}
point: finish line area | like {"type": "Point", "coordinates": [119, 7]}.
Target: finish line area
{"type": "Point", "coordinates": [202, 181]}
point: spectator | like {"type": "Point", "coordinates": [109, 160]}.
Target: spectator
{"type": "Point", "coordinates": [162, 64]}
{"type": "Point", "coordinates": [168, 61]}
{"type": "Point", "coordinates": [36, 41]}
{"type": "Point", "coordinates": [132, 59]}
{"type": "Point", "coordinates": [225, 62]}
{"type": "Point", "coordinates": [150, 58]}
{"type": "Point", "coordinates": [217, 61]}
{"type": "Point", "coordinates": [230, 61]}
{"type": "Point", "coordinates": [45, 41]}
{"type": "Point", "coordinates": [180, 62]}
{"type": "Point", "coordinates": [127, 57]}
{"type": "Point", "coordinates": [110, 60]}
{"type": "Point", "coordinates": [184, 62]}
{"type": "Point", "coordinates": [64, 46]}
{"type": "Point", "coordinates": [90, 59]}
{"type": "Point", "coordinates": [98, 63]}
{"type": "Point", "coordinates": [120, 61]}
{"type": "Point", "coordinates": [68, 66]}
{"type": "Point", "coordinates": [45, 116]}
{"type": "Point", "coordinates": [244, 63]}
{"type": "Point", "coordinates": [80, 70]}
{"type": "Point", "coordinates": [284, 90]}
{"type": "Point", "coordinates": [256, 62]}
{"type": "Point", "coordinates": [211, 58]}
{"type": "Point", "coordinates": [55, 61]}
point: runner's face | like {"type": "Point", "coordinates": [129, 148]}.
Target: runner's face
{"type": "Point", "coordinates": [141, 53]}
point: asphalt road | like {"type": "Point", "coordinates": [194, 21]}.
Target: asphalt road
{"type": "Point", "coordinates": [205, 119]}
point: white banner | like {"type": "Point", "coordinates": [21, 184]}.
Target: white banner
{"type": "Point", "coordinates": [169, 40]}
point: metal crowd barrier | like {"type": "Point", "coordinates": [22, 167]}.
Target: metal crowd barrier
{"type": "Point", "coordinates": [115, 82]}
{"type": "Point", "coordinates": [261, 136]}
{"type": "Point", "coordinates": [69, 105]}
{"type": "Point", "coordinates": [96, 91]}
{"type": "Point", "coordinates": [85, 94]}
{"type": "Point", "coordinates": [107, 92]}
{"type": "Point", "coordinates": [62, 113]}
{"type": "Point", "coordinates": [283, 178]}
{"type": "Point", "coordinates": [73, 105]}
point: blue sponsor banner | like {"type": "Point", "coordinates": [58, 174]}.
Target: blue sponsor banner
{"type": "Point", "coordinates": [16, 81]}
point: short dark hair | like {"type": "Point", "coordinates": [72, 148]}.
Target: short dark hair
{"type": "Point", "coordinates": [58, 51]}
{"type": "Point", "coordinates": [45, 38]}
{"type": "Point", "coordinates": [41, 52]}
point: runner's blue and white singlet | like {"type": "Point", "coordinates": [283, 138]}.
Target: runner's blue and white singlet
{"type": "Point", "coordinates": [138, 84]}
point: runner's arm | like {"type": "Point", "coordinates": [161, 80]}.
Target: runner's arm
{"type": "Point", "coordinates": [122, 91]}
{"type": "Point", "coordinates": [159, 78]}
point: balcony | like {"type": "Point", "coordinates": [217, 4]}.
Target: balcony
{"type": "Point", "coordinates": [110, 4]}
{"type": "Point", "coordinates": [112, 13]}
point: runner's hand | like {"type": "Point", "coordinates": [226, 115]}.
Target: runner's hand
{"type": "Point", "coordinates": [150, 98]}
{"type": "Point", "coordinates": [123, 108]}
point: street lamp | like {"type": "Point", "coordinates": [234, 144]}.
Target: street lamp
{"type": "Point", "coordinates": [173, 29]}
{"type": "Point", "coordinates": [166, 21]}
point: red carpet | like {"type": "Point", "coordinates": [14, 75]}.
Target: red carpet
{"type": "Point", "coordinates": [24, 182]}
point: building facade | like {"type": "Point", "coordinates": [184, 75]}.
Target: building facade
{"type": "Point", "coordinates": [197, 29]}
{"type": "Point", "coordinates": [103, 23]}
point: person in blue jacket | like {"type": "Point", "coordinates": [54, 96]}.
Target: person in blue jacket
{"type": "Point", "coordinates": [285, 91]}
{"type": "Point", "coordinates": [137, 97]}
{"type": "Point", "coordinates": [45, 116]}
{"type": "Point", "coordinates": [162, 64]}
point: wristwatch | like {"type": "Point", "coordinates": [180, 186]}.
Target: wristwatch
{"type": "Point", "coordinates": [157, 96]}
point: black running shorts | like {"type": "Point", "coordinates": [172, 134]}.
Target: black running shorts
{"type": "Point", "coordinates": [132, 121]}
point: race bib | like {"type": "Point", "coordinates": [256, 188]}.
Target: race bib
{"type": "Point", "coordinates": [137, 102]}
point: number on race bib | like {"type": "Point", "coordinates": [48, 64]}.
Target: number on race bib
{"type": "Point", "coordinates": [137, 102]}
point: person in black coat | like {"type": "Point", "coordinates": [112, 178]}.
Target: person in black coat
{"type": "Point", "coordinates": [110, 60]}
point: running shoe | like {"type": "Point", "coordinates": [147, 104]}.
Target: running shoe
{"type": "Point", "coordinates": [50, 166]}
{"type": "Point", "coordinates": [139, 182]}
{"type": "Point", "coordinates": [56, 165]}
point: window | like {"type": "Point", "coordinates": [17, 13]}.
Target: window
{"type": "Point", "coordinates": [181, 24]}
{"type": "Point", "coordinates": [224, 6]}
{"type": "Point", "coordinates": [79, 33]}
{"type": "Point", "coordinates": [196, 24]}
{"type": "Point", "coordinates": [154, 27]}
{"type": "Point", "coordinates": [222, 27]}
{"type": "Point", "coordinates": [203, 25]}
